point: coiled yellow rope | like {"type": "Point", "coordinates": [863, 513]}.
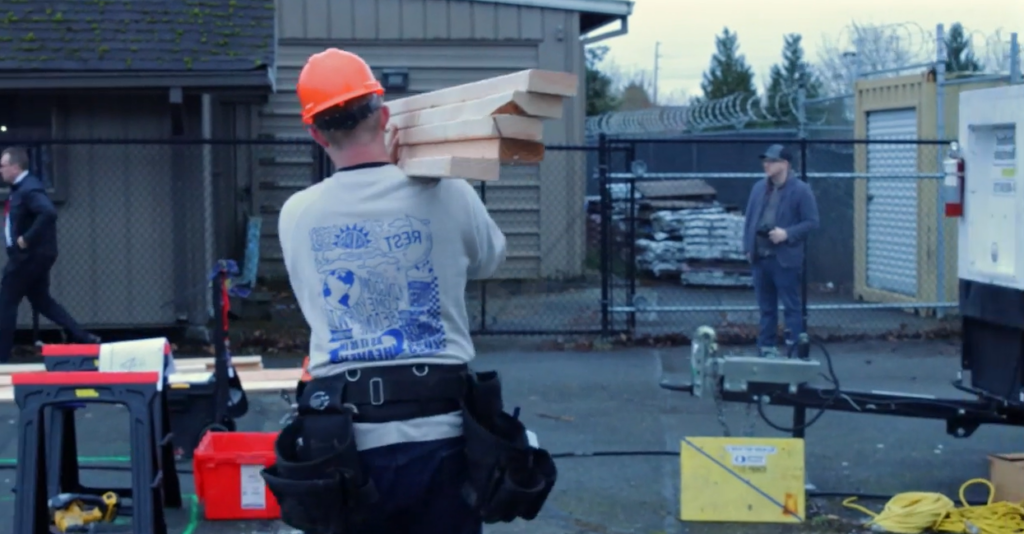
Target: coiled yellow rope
{"type": "Point", "coordinates": [916, 512]}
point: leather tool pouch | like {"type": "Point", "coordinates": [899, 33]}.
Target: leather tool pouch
{"type": "Point", "coordinates": [317, 477]}
{"type": "Point", "coordinates": [508, 478]}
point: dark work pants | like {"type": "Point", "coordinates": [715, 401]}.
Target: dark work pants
{"type": "Point", "coordinates": [420, 489]}
{"type": "Point", "coordinates": [28, 276]}
{"type": "Point", "coordinates": [773, 284]}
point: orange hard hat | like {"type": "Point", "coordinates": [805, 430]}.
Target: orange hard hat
{"type": "Point", "coordinates": [332, 78]}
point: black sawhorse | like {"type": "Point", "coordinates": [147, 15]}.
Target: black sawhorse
{"type": "Point", "coordinates": [155, 483]}
{"type": "Point", "coordinates": [60, 418]}
{"type": "Point", "coordinates": [62, 456]}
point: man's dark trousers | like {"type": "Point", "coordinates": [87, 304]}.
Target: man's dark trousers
{"type": "Point", "coordinates": [27, 275]}
{"type": "Point", "coordinates": [773, 284]}
{"type": "Point", "coordinates": [419, 487]}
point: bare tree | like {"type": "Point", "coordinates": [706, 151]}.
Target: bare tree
{"type": "Point", "coordinates": [865, 48]}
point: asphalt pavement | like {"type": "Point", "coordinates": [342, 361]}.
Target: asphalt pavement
{"type": "Point", "coordinates": [611, 401]}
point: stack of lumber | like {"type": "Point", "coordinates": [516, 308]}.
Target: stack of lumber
{"type": "Point", "coordinates": [249, 368]}
{"type": "Point", "coordinates": [468, 131]}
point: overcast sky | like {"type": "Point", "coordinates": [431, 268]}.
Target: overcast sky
{"type": "Point", "coordinates": [687, 33]}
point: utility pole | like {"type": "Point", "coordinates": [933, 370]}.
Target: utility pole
{"type": "Point", "coordinates": [657, 56]}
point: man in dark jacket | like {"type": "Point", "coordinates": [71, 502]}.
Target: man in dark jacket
{"type": "Point", "coordinates": [781, 213]}
{"type": "Point", "coordinates": [30, 233]}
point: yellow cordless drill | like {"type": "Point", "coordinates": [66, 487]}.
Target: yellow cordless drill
{"type": "Point", "coordinates": [73, 512]}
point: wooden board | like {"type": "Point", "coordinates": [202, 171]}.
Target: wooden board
{"type": "Point", "coordinates": [240, 363]}
{"type": "Point", "coordinates": [545, 82]}
{"type": "Point", "coordinates": [481, 169]}
{"type": "Point", "coordinates": [255, 381]}
{"type": "Point", "coordinates": [493, 127]}
{"type": "Point", "coordinates": [509, 103]}
{"type": "Point", "coordinates": [503, 150]}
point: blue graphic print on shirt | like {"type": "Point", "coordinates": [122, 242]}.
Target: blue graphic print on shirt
{"type": "Point", "coordinates": [380, 292]}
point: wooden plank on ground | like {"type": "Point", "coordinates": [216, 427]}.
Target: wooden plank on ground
{"type": "Point", "coordinates": [493, 127]}
{"type": "Point", "coordinates": [503, 150]}
{"type": "Point", "coordinates": [481, 169]}
{"type": "Point", "coordinates": [532, 81]}
{"type": "Point", "coordinates": [508, 103]}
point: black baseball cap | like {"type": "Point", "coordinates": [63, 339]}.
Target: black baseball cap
{"type": "Point", "coordinates": [777, 152]}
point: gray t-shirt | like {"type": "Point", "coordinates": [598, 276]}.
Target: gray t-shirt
{"type": "Point", "coordinates": [762, 245]}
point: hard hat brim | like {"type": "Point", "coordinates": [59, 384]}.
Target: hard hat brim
{"type": "Point", "coordinates": [369, 88]}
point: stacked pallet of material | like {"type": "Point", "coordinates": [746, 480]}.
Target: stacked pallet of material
{"type": "Point", "coordinates": [468, 131]}
{"type": "Point", "coordinates": [659, 220]}
{"type": "Point", "coordinates": [713, 249]}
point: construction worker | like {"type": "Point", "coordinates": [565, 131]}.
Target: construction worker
{"type": "Point", "coordinates": [393, 433]}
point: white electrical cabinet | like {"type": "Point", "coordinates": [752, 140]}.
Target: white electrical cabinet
{"type": "Point", "coordinates": [991, 231]}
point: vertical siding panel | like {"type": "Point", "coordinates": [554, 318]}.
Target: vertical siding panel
{"type": "Point", "coordinates": [413, 24]}
{"type": "Point", "coordinates": [485, 21]}
{"type": "Point", "coordinates": [389, 19]}
{"type": "Point", "coordinates": [508, 22]}
{"type": "Point", "coordinates": [364, 17]}
{"type": "Point", "coordinates": [291, 19]}
{"type": "Point", "coordinates": [317, 17]}
{"type": "Point", "coordinates": [436, 19]}
{"type": "Point", "coordinates": [460, 19]}
{"type": "Point", "coordinates": [531, 23]}
{"type": "Point", "coordinates": [341, 15]}
{"type": "Point", "coordinates": [560, 214]}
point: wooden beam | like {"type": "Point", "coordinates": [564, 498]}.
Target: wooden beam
{"type": "Point", "coordinates": [508, 103]}
{"type": "Point", "coordinates": [503, 150]}
{"type": "Point", "coordinates": [532, 81]}
{"type": "Point", "coordinates": [494, 127]}
{"type": "Point", "coordinates": [481, 169]}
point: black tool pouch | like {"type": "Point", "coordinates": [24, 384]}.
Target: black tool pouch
{"type": "Point", "coordinates": [317, 477]}
{"type": "Point", "coordinates": [508, 479]}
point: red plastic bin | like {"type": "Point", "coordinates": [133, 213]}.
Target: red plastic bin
{"type": "Point", "coordinates": [226, 467]}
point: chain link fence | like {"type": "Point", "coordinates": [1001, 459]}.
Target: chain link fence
{"type": "Point", "coordinates": [882, 262]}
{"type": "Point", "coordinates": [634, 237]}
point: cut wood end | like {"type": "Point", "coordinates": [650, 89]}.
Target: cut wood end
{"type": "Point", "coordinates": [476, 169]}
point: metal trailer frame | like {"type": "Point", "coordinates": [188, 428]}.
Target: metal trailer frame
{"type": "Point", "coordinates": [785, 382]}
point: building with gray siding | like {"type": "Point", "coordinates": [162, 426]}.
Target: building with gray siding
{"type": "Point", "coordinates": [438, 44]}
{"type": "Point", "coordinates": [141, 224]}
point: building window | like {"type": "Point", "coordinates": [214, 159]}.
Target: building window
{"type": "Point", "coordinates": [28, 121]}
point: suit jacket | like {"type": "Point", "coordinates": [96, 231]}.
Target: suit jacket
{"type": "Point", "coordinates": [34, 218]}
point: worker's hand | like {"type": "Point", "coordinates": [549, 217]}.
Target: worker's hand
{"type": "Point", "coordinates": [21, 243]}
{"type": "Point", "coordinates": [392, 141]}
{"type": "Point", "coordinates": [777, 235]}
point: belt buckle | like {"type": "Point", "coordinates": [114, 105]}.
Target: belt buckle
{"type": "Point", "coordinates": [376, 391]}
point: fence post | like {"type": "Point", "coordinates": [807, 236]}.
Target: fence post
{"type": "Point", "coordinates": [631, 256]}
{"type": "Point", "coordinates": [940, 133]}
{"type": "Point", "coordinates": [807, 252]}
{"type": "Point", "coordinates": [603, 158]}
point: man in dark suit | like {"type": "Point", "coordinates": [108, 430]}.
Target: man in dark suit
{"type": "Point", "coordinates": [30, 232]}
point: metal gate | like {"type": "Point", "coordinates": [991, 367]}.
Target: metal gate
{"type": "Point", "coordinates": [892, 210]}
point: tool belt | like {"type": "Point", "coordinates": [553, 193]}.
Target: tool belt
{"type": "Point", "coordinates": [507, 477]}
{"type": "Point", "coordinates": [320, 482]}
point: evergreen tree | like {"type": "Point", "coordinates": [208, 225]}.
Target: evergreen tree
{"type": "Point", "coordinates": [786, 79]}
{"type": "Point", "coordinates": [728, 73]}
{"type": "Point", "coordinates": [959, 54]}
{"type": "Point", "coordinates": [601, 97]}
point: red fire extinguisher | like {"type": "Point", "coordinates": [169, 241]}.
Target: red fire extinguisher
{"type": "Point", "coordinates": [953, 184]}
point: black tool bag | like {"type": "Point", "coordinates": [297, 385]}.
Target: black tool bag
{"type": "Point", "coordinates": [317, 478]}
{"type": "Point", "coordinates": [508, 478]}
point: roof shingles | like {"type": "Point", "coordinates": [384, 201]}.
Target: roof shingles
{"type": "Point", "coordinates": [142, 35]}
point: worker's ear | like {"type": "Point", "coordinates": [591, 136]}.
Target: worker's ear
{"type": "Point", "coordinates": [318, 137]}
{"type": "Point", "coordinates": [385, 116]}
